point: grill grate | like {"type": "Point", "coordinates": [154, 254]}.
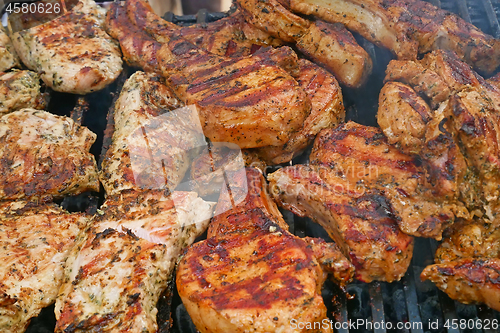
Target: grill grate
{"type": "Point", "coordinates": [409, 300]}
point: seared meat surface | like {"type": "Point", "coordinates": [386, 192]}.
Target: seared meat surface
{"type": "Point", "coordinates": [8, 55]}
{"type": "Point", "coordinates": [35, 242]}
{"type": "Point", "coordinates": [327, 110]}
{"type": "Point", "coordinates": [457, 136]}
{"type": "Point", "coordinates": [250, 101]}
{"type": "Point", "coordinates": [19, 90]}
{"type": "Point", "coordinates": [115, 275]}
{"type": "Point", "coordinates": [408, 27]}
{"type": "Point", "coordinates": [330, 45]}
{"type": "Point", "coordinates": [357, 218]}
{"type": "Point", "coordinates": [251, 274]}
{"type": "Point", "coordinates": [151, 142]}
{"type": "Point", "coordinates": [72, 53]}
{"type": "Point", "coordinates": [362, 154]}
{"type": "Point", "coordinates": [468, 264]}
{"type": "Point", "coordinates": [44, 155]}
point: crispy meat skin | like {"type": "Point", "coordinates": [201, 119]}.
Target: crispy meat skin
{"type": "Point", "coordinates": [361, 153]}
{"type": "Point", "coordinates": [144, 102]}
{"type": "Point", "coordinates": [327, 111]}
{"type": "Point", "coordinates": [35, 242]}
{"type": "Point", "coordinates": [72, 53]}
{"type": "Point", "coordinates": [19, 90]}
{"type": "Point", "coordinates": [358, 219]}
{"type": "Point", "coordinates": [221, 87]}
{"type": "Point", "coordinates": [8, 55]}
{"type": "Point", "coordinates": [115, 276]}
{"type": "Point", "coordinates": [467, 263]}
{"type": "Point", "coordinates": [251, 274]}
{"type": "Point", "coordinates": [43, 155]}
{"type": "Point", "coordinates": [330, 45]}
{"type": "Point", "coordinates": [408, 27]}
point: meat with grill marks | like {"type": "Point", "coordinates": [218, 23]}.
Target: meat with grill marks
{"type": "Point", "coordinates": [251, 274]}
{"type": "Point", "coordinates": [35, 242]}
{"type": "Point", "coordinates": [330, 45]}
{"type": "Point", "coordinates": [457, 135]}
{"type": "Point", "coordinates": [327, 111]}
{"type": "Point", "coordinates": [152, 143]}
{"type": "Point", "coordinates": [408, 27]}
{"type": "Point", "coordinates": [44, 156]}
{"type": "Point", "coordinates": [8, 55]}
{"type": "Point", "coordinates": [357, 218]}
{"type": "Point", "coordinates": [72, 53]}
{"type": "Point", "coordinates": [116, 274]}
{"type": "Point", "coordinates": [467, 263]}
{"type": "Point", "coordinates": [249, 101]}
{"type": "Point", "coordinates": [19, 90]}
{"type": "Point", "coordinates": [362, 154]}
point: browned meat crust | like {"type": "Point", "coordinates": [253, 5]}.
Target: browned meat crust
{"type": "Point", "coordinates": [251, 273]}
{"type": "Point", "coordinates": [408, 27]}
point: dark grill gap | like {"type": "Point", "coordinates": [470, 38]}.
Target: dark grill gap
{"type": "Point", "coordinates": [408, 300]}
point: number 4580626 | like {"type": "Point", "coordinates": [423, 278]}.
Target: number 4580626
{"type": "Point", "coordinates": [33, 8]}
{"type": "Point", "coordinates": [471, 324]}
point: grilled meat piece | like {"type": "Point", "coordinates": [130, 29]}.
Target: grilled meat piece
{"type": "Point", "coordinates": [115, 276]}
{"type": "Point", "coordinates": [403, 116]}
{"type": "Point", "coordinates": [327, 111]}
{"type": "Point", "coordinates": [151, 143]}
{"type": "Point", "coordinates": [251, 274]}
{"type": "Point", "coordinates": [8, 55]}
{"type": "Point", "coordinates": [425, 81]}
{"type": "Point", "coordinates": [461, 136]}
{"type": "Point", "coordinates": [358, 219]}
{"type": "Point", "coordinates": [19, 90]}
{"type": "Point", "coordinates": [408, 27]}
{"type": "Point", "coordinates": [362, 154]}
{"type": "Point", "coordinates": [72, 53]}
{"type": "Point", "coordinates": [476, 120]}
{"type": "Point", "coordinates": [468, 263]}
{"type": "Point", "coordinates": [231, 36]}
{"type": "Point", "coordinates": [249, 101]}
{"type": "Point", "coordinates": [330, 45]}
{"type": "Point", "coordinates": [35, 242]}
{"type": "Point", "coordinates": [44, 155]}
{"type": "Point", "coordinates": [410, 125]}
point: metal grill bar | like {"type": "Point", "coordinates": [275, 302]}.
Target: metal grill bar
{"type": "Point", "coordinates": [492, 17]}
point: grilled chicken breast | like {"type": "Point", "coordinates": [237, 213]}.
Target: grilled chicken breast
{"type": "Point", "coordinates": [361, 154]}
{"type": "Point", "coordinates": [72, 53]}
{"type": "Point", "coordinates": [330, 45]}
{"type": "Point", "coordinates": [35, 243]}
{"type": "Point", "coordinates": [327, 110]}
{"type": "Point", "coordinates": [251, 274]}
{"type": "Point", "coordinates": [19, 90]}
{"type": "Point", "coordinates": [467, 263]}
{"type": "Point", "coordinates": [152, 144]}
{"type": "Point", "coordinates": [115, 276]}
{"type": "Point", "coordinates": [44, 156]}
{"type": "Point", "coordinates": [249, 101]}
{"type": "Point", "coordinates": [360, 220]}
{"type": "Point", "coordinates": [8, 55]}
{"type": "Point", "coordinates": [408, 27]}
